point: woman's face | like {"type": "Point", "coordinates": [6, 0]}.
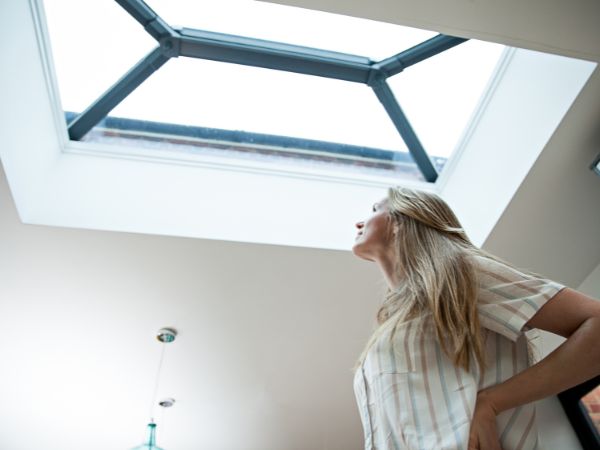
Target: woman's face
{"type": "Point", "coordinates": [374, 236]}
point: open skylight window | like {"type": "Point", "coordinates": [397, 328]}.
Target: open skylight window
{"type": "Point", "coordinates": [235, 111]}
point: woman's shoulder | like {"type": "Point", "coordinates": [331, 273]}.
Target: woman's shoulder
{"type": "Point", "coordinates": [488, 268]}
{"type": "Point", "coordinates": [492, 270]}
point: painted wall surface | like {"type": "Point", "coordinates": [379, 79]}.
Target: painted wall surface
{"type": "Point", "coordinates": [268, 336]}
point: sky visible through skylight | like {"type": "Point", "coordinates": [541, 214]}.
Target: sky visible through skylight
{"type": "Point", "coordinates": [95, 42]}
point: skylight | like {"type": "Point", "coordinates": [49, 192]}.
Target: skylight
{"type": "Point", "coordinates": [127, 187]}
{"type": "Point", "coordinates": [242, 112]}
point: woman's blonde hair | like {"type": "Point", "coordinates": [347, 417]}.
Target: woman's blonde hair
{"type": "Point", "coordinates": [438, 276]}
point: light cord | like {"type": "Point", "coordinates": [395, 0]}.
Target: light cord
{"type": "Point", "coordinates": [156, 382]}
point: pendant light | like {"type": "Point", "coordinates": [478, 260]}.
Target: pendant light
{"type": "Point", "coordinates": [150, 444]}
{"type": "Point", "coordinates": [165, 336]}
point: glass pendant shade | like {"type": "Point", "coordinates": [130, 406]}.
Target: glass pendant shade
{"type": "Point", "coordinates": [151, 442]}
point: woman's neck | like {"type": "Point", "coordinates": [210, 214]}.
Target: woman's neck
{"type": "Point", "coordinates": [390, 272]}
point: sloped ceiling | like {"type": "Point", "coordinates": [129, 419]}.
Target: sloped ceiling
{"type": "Point", "coordinates": [552, 223]}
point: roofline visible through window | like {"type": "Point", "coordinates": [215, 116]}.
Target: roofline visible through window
{"type": "Point", "coordinates": [202, 139]}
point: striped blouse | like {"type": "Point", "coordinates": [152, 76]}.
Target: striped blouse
{"type": "Point", "coordinates": [411, 396]}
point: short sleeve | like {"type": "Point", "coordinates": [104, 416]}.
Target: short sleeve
{"type": "Point", "coordinates": [508, 298]}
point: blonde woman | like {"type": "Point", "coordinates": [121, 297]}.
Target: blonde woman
{"type": "Point", "coordinates": [449, 366]}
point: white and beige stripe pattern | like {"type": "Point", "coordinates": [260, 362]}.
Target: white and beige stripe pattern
{"type": "Point", "coordinates": [411, 396]}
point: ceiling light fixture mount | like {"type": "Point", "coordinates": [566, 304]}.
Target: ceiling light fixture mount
{"type": "Point", "coordinates": [167, 402]}
{"type": "Point", "coordinates": [166, 335]}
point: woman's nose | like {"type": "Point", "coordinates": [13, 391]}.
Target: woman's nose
{"type": "Point", "coordinates": [360, 225]}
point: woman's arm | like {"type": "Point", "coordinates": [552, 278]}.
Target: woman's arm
{"type": "Point", "coordinates": [570, 314]}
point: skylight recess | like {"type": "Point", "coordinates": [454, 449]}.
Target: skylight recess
{"type": "Point", "coordinates": [307, 117]}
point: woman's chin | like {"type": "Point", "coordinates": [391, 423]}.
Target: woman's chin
{"type": "Point", "coordinates": [358, 251]}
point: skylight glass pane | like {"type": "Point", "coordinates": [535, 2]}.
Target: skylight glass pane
{"type": "Point", "coordinates": [229, 96]}
{"type": "Point", "coordinates": [291, 25]}
{"type": "Point", "coordinates": [439, 94]}
{"type": "Point", "coordinates": [94, 43]}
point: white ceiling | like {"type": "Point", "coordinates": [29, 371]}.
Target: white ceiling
{"type": "Point", "coordinates": [268, 334]}
{"type": "Point", "coordinates": [569, 29]}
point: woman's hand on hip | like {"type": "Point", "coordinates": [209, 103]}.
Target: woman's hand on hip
{"type": "Point", "coordinates": [484, 433]}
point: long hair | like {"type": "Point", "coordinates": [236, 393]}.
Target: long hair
{"type": "Point", "coordinates": [434, 259]}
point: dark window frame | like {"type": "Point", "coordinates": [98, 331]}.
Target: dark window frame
{"type": "Point", "coordinates": [229, 48]}
{"type": "Point", "coordinates": [580, 421]}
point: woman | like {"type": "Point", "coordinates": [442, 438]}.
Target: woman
{"type": "Point", "coordinates": [449, 366]}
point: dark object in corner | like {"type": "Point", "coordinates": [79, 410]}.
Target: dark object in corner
{"type": "Point", "coordinates": [596, 165]}
{"type": "Point", "coordinates": [587, 432]}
